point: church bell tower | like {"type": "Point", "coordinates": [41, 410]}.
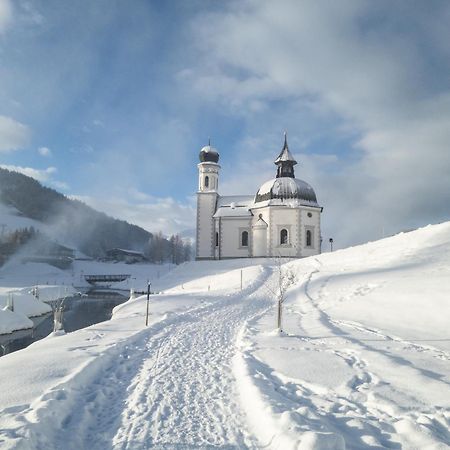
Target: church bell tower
{"type": "Point", "coordinates": [207, 194]}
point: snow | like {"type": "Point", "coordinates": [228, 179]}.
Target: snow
{"type": "Point", "coordinates": [13, 220]}
{"type": "Point", "coordinates": [234, 206]}
{"type": "Point", "coordinates": [209, 149]}
{"type": "Point", "coordinates": [363, 361]}
{"type": "Point", "coordinates": [238, 200]}
{"type": "Point", "coordinates": [289, 191]}
{"type": "Point", "coordinates": [233, 212]}
{"type": "Point", "coordinates": [365, 354]}
{"type": "Point", "coordinates": [12, 321]}
{"type": "Point", "coordinates": [25, 303]}
{"type": "Point", "coordinates": [25, 306]}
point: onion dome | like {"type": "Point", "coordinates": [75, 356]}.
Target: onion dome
{"type": "Point", "coordinates": [286, 188]}
{"type": "Point", "coordinates": [209, 154]}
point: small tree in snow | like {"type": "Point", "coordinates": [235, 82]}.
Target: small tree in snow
{"type": "Point", "coordinates": [285, 277]}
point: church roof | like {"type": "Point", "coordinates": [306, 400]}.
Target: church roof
{"type": "Point", "coordinates": [227, 211]}
{"type": "Point", "coordinates": [298, 192]}
{"type": "Point", "coordinates": [285, 154]}
{"type": "Point", "coordinates": [234, 206]}
{"type": "Point", "coordinates": [238, 200]}
{"type": "Point", "coordinates": [209, 154]}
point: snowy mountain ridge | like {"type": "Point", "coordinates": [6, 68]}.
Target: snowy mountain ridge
{"type": "Point", "coordinates": [363, 363]}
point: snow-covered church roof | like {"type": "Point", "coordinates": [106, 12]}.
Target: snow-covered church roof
{"type": "Point", "coordinates": [285, 154]}
{"type": "Point", "coordinates": [298, 192]}
{"type": "Point", "coordinates": [234, 206]}
{"type": "Point", "coordinates": [209, 154]}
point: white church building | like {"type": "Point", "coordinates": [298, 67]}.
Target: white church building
{"type": "Point", "coordinates": [282, 219]}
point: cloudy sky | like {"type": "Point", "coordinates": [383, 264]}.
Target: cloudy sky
{"type": "Point", "coordinates": [110, 101]}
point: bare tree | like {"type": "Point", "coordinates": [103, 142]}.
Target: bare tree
{"type": "Point", "coordinates": [285, 277]}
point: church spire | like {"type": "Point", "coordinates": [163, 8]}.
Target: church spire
{"type": "Point", "coordinates": [285, 161]}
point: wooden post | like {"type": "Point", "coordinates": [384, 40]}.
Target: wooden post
{"type": "Point", "coordinates": [148, 302]}
{"type": "Point", "coordinates": [279, 315]}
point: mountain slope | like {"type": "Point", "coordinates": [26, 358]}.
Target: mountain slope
{"type": "Point", "coordinates": [68, 220]}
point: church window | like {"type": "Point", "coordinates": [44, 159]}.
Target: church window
{"type": "Point", "coordinates": [206, 181]}
{"type": "Point", "coordinates": [283, 236]}
{"type": "Point", "coordinates": [244, 239]}
{"type": "Point", "coordinates": [308, 238]}
{"type": "Point", "coordinates": [217, 239]}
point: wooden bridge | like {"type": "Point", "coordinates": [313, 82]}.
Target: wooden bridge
{"type": "Point", "coordinates": [93, 279]}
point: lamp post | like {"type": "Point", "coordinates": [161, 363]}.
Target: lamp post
{"type": "Point", "coordinates": [331, 244]}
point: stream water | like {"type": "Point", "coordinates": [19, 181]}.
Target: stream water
{"type": "Point", "coordinates": [79, 312]}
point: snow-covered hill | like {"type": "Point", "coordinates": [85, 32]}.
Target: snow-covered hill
{"type": "Point", "coordinates": [364, 361]}
{"type": "Point", "coordinates": [11, 219]}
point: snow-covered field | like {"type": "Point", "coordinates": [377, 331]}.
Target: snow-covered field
{"type": "Point", "coordinates": [364, 361]}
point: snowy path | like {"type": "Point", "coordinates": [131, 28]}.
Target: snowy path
{"type": "Point", "coordinates": [171, 386]}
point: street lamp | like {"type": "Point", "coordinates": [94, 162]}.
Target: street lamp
{"type": "Point", "coordinates": [331, 244]}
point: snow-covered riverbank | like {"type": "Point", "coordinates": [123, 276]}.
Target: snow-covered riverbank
{"type": "Point", "coordinates": [364, 362]}
{"type": "Point", "coordinates": [17, 280]}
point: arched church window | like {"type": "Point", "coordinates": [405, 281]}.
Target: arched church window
{"type": "Point", "coordinates": [217, 239]}
{"type": "Point", "coordinates": [308, 238]}
{"type": "Point", "coordinates": [244, 239]}
{"type": "Point", "coordinates": [283, 236]}
{"type": "Point", "coordinates": [206, 181]}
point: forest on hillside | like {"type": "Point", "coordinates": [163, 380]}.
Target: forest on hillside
{"type": "Point", "coordinates": [74, 223]}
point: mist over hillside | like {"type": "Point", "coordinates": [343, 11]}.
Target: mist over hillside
{"type": "Point", "coordinates": [69, 221]}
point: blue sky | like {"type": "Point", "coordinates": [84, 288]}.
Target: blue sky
{"type": "Point", "coordinates": [110, 101]}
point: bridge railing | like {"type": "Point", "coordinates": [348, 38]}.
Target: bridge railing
{"type": "Point", "coordinates": [106, 278]}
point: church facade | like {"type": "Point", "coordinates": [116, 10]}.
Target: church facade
{"type": "Point", "coordinates": [282, 219]}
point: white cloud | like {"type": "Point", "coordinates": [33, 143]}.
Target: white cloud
{"type": "Point", "coordinates": [59, 185]}
{"type": "Point", "coordinates": [44, 151]}
{"type": "Point", "coordinates": [155, 214]}
{"type": "Point", "coordinates": [5, 14]}
{"type": "Point", "coordinates": [13, 135]}
{"type": "Point", "coordinates": [43, 175]}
